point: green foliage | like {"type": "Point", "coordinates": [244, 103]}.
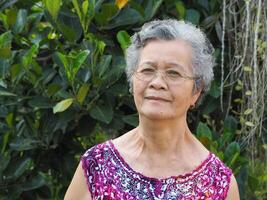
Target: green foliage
{"type": "Point", "coordinates": [62, 89]}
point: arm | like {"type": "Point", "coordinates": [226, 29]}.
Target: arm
{"type": "Point", "coordinates": [233, 193]}
{"type": "Point", "coordinates": [78, 187]}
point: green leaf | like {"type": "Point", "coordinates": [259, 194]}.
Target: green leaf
{"type": "Point", "coordinates": [210, 21]}
{"type": "Point", "coordinates": [69, 25]}
{"type": "Point", "coordinates": [64, 60]}
{"type": "Point", "coordinates": [35, 182]}
{"type": "Point", "coordinates": [250, 124]}
{"type": "Point", "coordinates": [5, 92]}
{"type": "Point", "coordinates": [11, 16]}
{"type": "Point", "coordinates": [31, 53]}
{"type": "Point", "coordinates": [180, 8]}
{"type": "Point", "coordinates": [19, 168]}
{"type": "Point", "coordinates": [104, 64]}
{"type": "Point", "coordinates": [193, 16]}
{"type": "Point", "coordinates": [40, 102]}
{"type": "Point", "coordinates": [4, 67]}
{"type": "Point", "coordinates": [124, 39]}
{"type": "Point", "coordinates": [22, 144]}
{"type": "Point", "coordinates": [131, 120]}
{"type": "Point", "coordinates": [204, 131]}
{"type": "Point", "coordinates": [215, 89]}
{"type": "Point", "coordinates": [151, 8]}
{"type": "Point", "coordinates": [53, 88]}
{"type": "Point", "coordinates": [53, 7]}
{"type": "Point", "coordinates": [79, 60]}
{"type": "Point", "coordinates": [20, 21]}
{"type": "Point", "coordinates": [108, 10]}
{"type": "Point", "coordinates": [211, 106]}
{"type": "Point", "coordinates": [82, 93]}
{"type": "Point", "coordinates": [127, 16]}
{"type": "Point", "coordinates": [231, 150]}
{"type": "Point", "coordinates": [85, 7]}
{"type": "Point", "coordinates": [77, 9]}
{"type": "Point", "coordinates": [230, 124]}
{"type": "Point", "coordinates": [62, 105]}
{"type": "Point", "coordinates": [103, 113]}
{"type": "Point", "coordinates": [4, 160]}
{"type": "Point", "coordinates": [248, 111]}
{"type": "Point", "coordinates": [5, 45]}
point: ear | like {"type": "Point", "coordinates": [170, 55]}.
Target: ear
{"type": "Point", "coordinates": [197, 90]}
{"type": "Point", "coordinates": [195, 97]}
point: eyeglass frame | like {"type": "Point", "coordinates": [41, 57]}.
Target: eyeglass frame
{"type": "Point", "coordinates": [164, 75]}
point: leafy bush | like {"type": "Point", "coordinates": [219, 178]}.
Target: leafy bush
{"type": "Point", "coordinates": [62, 87]}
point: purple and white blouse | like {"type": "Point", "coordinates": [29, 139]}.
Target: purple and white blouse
{"type": "Point", "coordinates": [108, 176]}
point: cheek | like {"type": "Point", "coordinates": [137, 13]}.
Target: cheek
{"type": "Point", "coordinates": [183, 95]}
{"type": "Point", "coordinates": [138, 91]}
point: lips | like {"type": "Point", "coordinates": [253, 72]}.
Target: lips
{"type": "Point", "coordinates": [156, 98]}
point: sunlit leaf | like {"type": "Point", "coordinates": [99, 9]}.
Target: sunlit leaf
{"type": "Point", "coordinates": [248, 111]}
{"type": "Point", "coordinates": [250, 124]}
{"type": "Point", "coordinates": [124, 39]}
{"type": "Point", "coordinates": [82, 93]}
{"type": "Point", "coordinates": [121, 3]}
{"type": "Point", "coordinates": [62, 105]}
{"type": "Point", "coordinates": [180, 8]}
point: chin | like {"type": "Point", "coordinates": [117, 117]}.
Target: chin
{"type": "Point", "coordinates": [156, 114]}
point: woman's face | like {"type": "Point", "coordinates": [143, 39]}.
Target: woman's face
{"type": "Point", "coordinates": [164, 97]}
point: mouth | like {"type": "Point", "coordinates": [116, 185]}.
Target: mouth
{"type": "Point", "coordinates": [157, 98]}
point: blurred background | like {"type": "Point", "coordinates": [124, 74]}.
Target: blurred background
{"type": "Point", "coordinates": [63, 87]}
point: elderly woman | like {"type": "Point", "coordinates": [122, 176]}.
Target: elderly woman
{"type": "Point", "coordinates": [169, 66]}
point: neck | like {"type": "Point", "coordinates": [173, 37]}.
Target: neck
{"type": "Point", "coordinates": [163, 137]}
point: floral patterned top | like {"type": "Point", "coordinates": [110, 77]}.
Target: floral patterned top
{"type": "Point", "coordinates": [108, 176]}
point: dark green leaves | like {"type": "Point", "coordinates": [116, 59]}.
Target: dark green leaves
{"type": "Point", "coordinates": [103, 113]}
{"type": "Point", "coordinates": [69, 25]}
{"type": "Point", "coordinates": [232, 153]}
{"type": "Point", "coordinates": [204, 131]}
{"type": "Point", "coordinates": [5, 45]}
{"type": "Point", "coordinates": [85, 11]}
{"type": "Point", "coordinates": [151, 8]}
{"type": "Point", "coordinates": [71, 63]}
{"type": "Point", "coordinates": [193, 16]}
{"type": "Point", "coordinates": [18, 168]}
{"type": "Point", "coordinates": [52, 7]}
{"type": "Point", "coordinates": [29, 55]}
{"type": "Point", "coordinates": [107, 12]}
{"type": "Point", "coordinates": [20, 21]}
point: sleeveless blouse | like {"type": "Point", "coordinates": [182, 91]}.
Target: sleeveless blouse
{"type": "Point", "coordinates": [108, 176]}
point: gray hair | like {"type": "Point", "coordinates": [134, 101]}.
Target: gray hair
{"type": "Point", "coordinates": [171, 29]}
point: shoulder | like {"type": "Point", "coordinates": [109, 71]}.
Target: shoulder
{"type": "Point", "coordinates": [82, 186]}
{"type": "Point", "coordinates": [227, 180]}
{"type": "Point", "coordinates": [95, 154]}
{"type": "Point", "coordinates": [233, 193]}
{"type": "Point", "coordinates": [78, 187]}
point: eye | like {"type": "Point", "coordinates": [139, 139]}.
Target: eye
{"type": "Point", "coordinates": [173, 74]}
{"type": "Point", "coordinates": [147, 70]}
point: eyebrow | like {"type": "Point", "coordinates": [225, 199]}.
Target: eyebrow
{"type": "Point", "coordinates": [173, 64]}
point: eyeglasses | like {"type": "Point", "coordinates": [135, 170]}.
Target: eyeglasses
{"type": "Point", "coordinates": [170, 75]}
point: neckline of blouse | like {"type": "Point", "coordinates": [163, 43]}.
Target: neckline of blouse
{"type": "Point", "coordinates": [180, 177]}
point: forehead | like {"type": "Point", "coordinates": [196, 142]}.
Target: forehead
{"type": "Point", "coordinates": [176, 53]}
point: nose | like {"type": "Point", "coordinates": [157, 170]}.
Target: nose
{"type": "Point", "coordinates": [158, 81]}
